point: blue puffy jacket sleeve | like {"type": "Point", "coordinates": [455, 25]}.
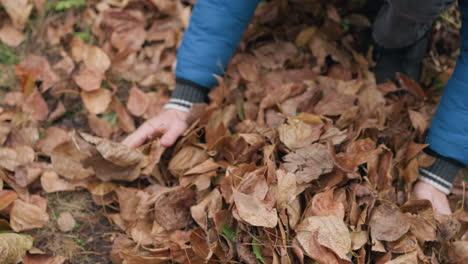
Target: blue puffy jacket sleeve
{"type": "Point", "coordinates": [448, 134]}
{"type": "Point", "coordinates": [214, 32]}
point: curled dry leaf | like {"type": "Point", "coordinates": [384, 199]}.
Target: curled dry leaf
{"type": "Point", "coordinates": [97, 102]}
{"type": "Point", "coordinates": [13, 247]}
{"type": "Point", "coordinates": [99, 126]}
{"type": "Point", "coordinates": [51, 182]}
{"type": "Point", "coordinates": [388, 223]}
{"type": "Point", "coordinates": [330, 232]}
{"type": "Point", "coordinates": [286, 190]}
{"type": "Point", "coordinates": [118, 153]}
{"type": "Point", "coordinates": [187, 158]}
{"type": "Point", "coordinates": [309, 163]}
{"type": "Point", "coordinates": [66, 222]}
{"type": "Point", "coordinates": [25, 216]}
{"type": "Point", "coordinates": [128, 203]}
{"type": "Point", "coordinates": [172, 208]}
{"type": "Point", "coordinates": [25, 175]}
{"type": "Point", "coordinates": [207, 208]}
{"type": "Point", "coordinates": [66, 161]}
{"type": "Point", "coordinates": [297, 134]}
{"type": "Point", "coordinates": [254, 211]}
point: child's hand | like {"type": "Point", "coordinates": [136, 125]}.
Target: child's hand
{"type": "Point", "coordinates": [438, 199]}
{"type": "Point", "coordinates": [171, 124]}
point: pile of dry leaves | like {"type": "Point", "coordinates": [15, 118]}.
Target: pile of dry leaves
{"type": "Point", "coordinates": [300, 156]}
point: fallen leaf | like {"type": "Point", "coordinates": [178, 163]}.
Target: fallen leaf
{"type": "Point", "coordinates": [207, 208]}
{"type": "Point", "coordinates": [51, 182]}
{"type": "Point", "coordinates": [19, 11]}
{"type": "Point", "coordinates": [11, 36]}
{"type": "Point", "coordinates": [35, 68]}
{"type": "Point", "coordinates": [99, 126]}
{"type": "Point", "coordinates": [187, 158]}
{"type": "Point", "coordinates": [323, 204]}
{"type": "Point", "coordinates": [125, 121]}
{"type": "Point", "coordinates": [54, 136]}
{"type": "Point", "coordinates": [419, 121]}
{"type": "Point", "coordinates": [97, 101]}
{"type": "Point", "coordinates": [10, 158]}
{"type": "Point", "coordinates": [13, 247]}
{"type": "Point", "coordinates": [25, 216]}
{"type": "Point", "coordinates": [137, 102]}
{"type": "Point", "coordinates": [286, 190]}
{"type": "Point", "coordinates": [172, 208]}
{"type": "Point", "coordinates": [89, 80]}
{"type": "Point", "coordinates": [66, 222]}
{"type": "Point", "coordinates": [297, 134]}
{"type": "Point", "coordinates": [458, 252]}
{"type": "Point", "coordinates": [330, 231]}
{"type": "Point", "coordinates": [408, 258]}
{"type": "Point", "coordinates": [7, 197]}
{"type": "Point", "coordinates": [254, 211]}
{"type": "Point", "coordinates": [388, 223]}
{"type": "Point", "coordinates": [309, 163]}
{"type": "Point", "coordinates": [35, 105]}
{"type": "Point", "coordinates": [43, 259]}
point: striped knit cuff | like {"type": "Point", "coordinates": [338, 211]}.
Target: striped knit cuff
{"type": "Point", "coordinates": [186, 94]}
{"type": "Point", "coordinates": [441, 174]}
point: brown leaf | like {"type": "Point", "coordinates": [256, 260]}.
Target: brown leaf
{"type": "Point", "coordinates": [10, 35]}
{"type": "Point", "coordinates": [419, 121]}
{"type": "Point", "coordinates": [128, 203]}
{"type": "Point", "coordinates": [36, 68]}
{"type": "Point", "coordinates": [388, 223]}
{"type": "Point", "coordinates": [25, 216]}
{"type": "Point", "coordinates": [286, 190]}
{"type": "Point", "coordinates": [51, 182]}
{"type": "Point", "coordinates": [330, 231]}
{"type": "Point", "coordinates": [137, 102]}
{"type": "Point", "coordinates": [10, 158]}
{"type": "Point", "coordinates": [187, 158]}
{"type": "Point", "coordinates": [19, 11]}
{"type": "Point", "coordinates": [255, 212]}
{"type": "Point", "coordinates": [25, 175]}
{"type": "Point", "coordinates": [167, 7]}
{"type": "Point", "coordinates": [66, 161]}
{"type": "Point", "coordinates": [309, 163]}
{"type": "Point", "coordinates": [89, 80]}
{"type": "Point", "coordinates": [358, 239]}
{"type": "Point", "coordinates": [99, 126]}
{"type": "Point", "coordinates": [109, 171]}
{"type": "Point", "coordinates": [207, 208]}
{"type": "Point", "coordinates": [408, 258]}
{"type": "Point", "coordinates": [66, 222]}
{"type": "Point", "coordinates": [323, 204]}
{"type": "Point", "coordinates": [43, 259]}
{"type": "Point", "coordinates": [7, 197]}
{"type": "Point", "coordinates": [172, 208]}
{"type": "Point", "coordinates": [35, 105]}
{"type": "Point", "coordinates": [297, 134]}
{"type": "Point", "coordinates": [126, 122]}
{"type": "Point", "coordinates": [97, 101]}
{"type": "Point", "coordinates": [458, 252]}
{"type": "Point", "coordinates": [334, 104]}
{"type": "Point", "coordinates": [115, 152]}
{"type": "Point", "coordinates": [54, 136]}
